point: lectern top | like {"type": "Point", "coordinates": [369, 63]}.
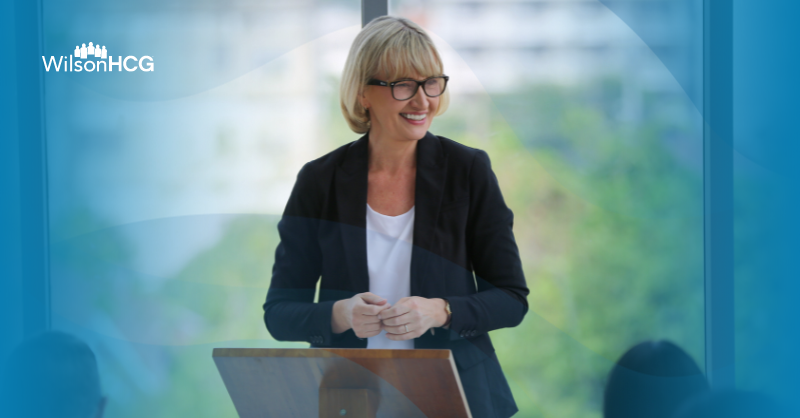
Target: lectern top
{"type": "Point", "coordinates": [285, 382]}
{"type": "Point", "coordinates": [333, 352]}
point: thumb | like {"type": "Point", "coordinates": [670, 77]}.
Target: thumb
{"type": "Point", "coordinates": [373, 299]}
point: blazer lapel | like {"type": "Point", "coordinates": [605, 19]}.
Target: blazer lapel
{"type": "Point", "coordinates": [351, 204]}
{"type": "Point", "coordinates": [429, 188]}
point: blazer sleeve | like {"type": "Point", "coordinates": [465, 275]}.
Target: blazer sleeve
{"type": "Point", "coordinates": [290, 312]}
{"type": "Point", "coordinates": [501, 300]}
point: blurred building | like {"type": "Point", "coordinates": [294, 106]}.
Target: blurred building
{"type": "Point", "coordinates": [511, 43]}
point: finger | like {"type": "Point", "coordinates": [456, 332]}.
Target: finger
{"type": "Point", "coordinates": [398, 330]}
{"type": "Point", "coordinates": [372, 298]}
{"type": "Point", "coordinates": [360, 320]}
{"type": "Point", "coordinates": [370, 328]}
{"type": "Point", "coordinates": [397, 310]}
{"type": "Point", "coordinates": [368, 334]}
{"type": "Point", "coordinates": [383, 302]}
{"type": "Point", "coordinates": [396, 320]}
{"type": "Point", "coordinates": [402, 337]}
{"type": "Point", "coordinates": [372, 310]}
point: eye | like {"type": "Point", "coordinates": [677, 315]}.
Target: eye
{"type": "Point", "coordinates": [404, 84]}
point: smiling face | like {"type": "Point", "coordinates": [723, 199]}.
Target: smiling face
{"type": "Point", "coordinates": [399, 120]}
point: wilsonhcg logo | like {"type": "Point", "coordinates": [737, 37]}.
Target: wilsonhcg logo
{"type": "Point", "coordinates": [92, 51]}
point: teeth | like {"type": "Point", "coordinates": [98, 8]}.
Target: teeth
{"type": "Point", "coordinates": [413, 117]}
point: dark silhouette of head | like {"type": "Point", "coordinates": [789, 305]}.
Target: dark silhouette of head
{"type": "Point", "coordinates": [52, 374]}
{"type": "Point", "coordinates": [652, 380]}
{"type": "Point", "coordinates": [731, 404]}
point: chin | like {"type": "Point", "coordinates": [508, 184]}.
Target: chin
{"type": "Point", "coordinates": [419, 131]}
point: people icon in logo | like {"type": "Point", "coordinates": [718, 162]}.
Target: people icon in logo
{"type": "Point", "coordinates": [104, 53]}
{"type": "Point", "coordinates": [83, 51]}
{"type": "Point", "coordinates": [97, 52]}
{"type": "Point", "coordinates": [77, 52]}
{"type": "Point", "coordinates": [91, 49]}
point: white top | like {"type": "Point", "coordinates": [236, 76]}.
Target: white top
{"type": "Point", "coordinates": [389, 242]}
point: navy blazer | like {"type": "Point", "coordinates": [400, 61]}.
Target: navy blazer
{"type": "Point", "coordinates": [464, 251]}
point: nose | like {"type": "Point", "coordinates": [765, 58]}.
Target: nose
{"type": "Point", "coordinates": [420, 99]}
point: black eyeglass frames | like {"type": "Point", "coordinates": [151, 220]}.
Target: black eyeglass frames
{"type": "Point", "coordinates": [407, 88]}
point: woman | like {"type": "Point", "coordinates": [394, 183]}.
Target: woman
{"type": "Point", "coordinates": [354, 213]}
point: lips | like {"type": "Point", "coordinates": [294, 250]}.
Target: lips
{"type": "Point", "coordinates": [421, 122]}
{"type": "Point", "coordinates": [414, 116]}
{"type": "Point", "coordinates": [417, 119]}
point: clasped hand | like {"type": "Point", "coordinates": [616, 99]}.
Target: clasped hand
{"type": "Point", "coordinates": [368, 314]}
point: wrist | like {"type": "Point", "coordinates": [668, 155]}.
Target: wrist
{"type": "Point", "coordinates": [445, 312]}
{"type": "Point", "coordinates": [338, 318]}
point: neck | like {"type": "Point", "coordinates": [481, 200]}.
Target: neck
{"type": "Point", "coordinates": [391, 155]}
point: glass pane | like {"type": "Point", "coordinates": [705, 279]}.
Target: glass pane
{"type": "Point", "coordinates": [590, 114]}
{"type": "Point", "coordinates": [168, 172]}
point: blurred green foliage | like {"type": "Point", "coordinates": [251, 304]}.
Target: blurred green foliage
{"type": "Point", "coordinates": [609, 225]}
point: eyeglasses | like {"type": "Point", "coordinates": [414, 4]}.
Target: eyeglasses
{"type": "Point", "coordinates": [406, 89]}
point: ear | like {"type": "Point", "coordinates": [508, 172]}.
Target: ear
{"type": "Point", "coordinates": [362, 99]}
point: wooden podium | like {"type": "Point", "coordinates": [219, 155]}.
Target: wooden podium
{"type": "Point", "coordinates": [342, 382]}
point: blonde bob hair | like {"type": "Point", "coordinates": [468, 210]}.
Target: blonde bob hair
{"type": "Point", "coordinates": [392, 45]}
